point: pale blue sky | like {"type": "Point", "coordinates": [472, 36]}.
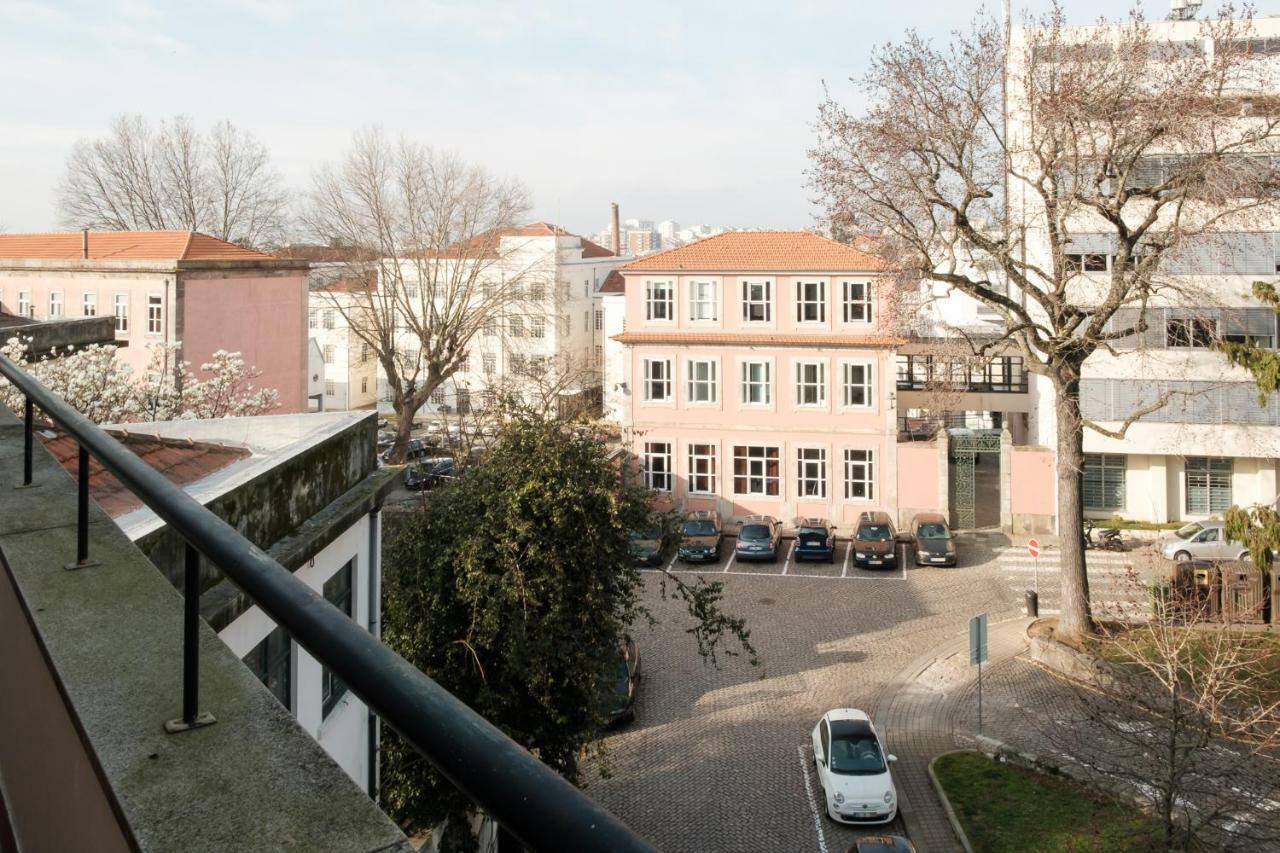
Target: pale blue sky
{"type": "Point", "coordinates": [697, 111]}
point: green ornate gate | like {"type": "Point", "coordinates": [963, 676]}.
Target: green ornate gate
{"type": "Point", "coordinates": [964, 447]}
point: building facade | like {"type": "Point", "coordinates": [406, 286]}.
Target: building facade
{"type": "Point", "coordinates": [169, 287]}
{"type": "Point", "coordinates": [760, 377]}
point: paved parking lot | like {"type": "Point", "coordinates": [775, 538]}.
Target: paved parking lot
{"type": "Point", "coordinates": [841, 567]}
{"type": "Point", "coordinates": [718, 758]}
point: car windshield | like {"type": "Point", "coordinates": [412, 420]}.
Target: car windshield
{"type": "Point", "coordinates": [871, 532]}
{"type": "Point", "coordinates": [644, 533]}
{"type": "Point", "coordinates": [934, 531]}
{"type": "Point", "coordinates": [1186, 531]}
{"type": "Point", "coordinates": [813, 532]}
{"type": "Point", "coordinates": [699, 528]}
{"type": "Point", "coordinates": [856, 755]}
{"type": "Point", "coordinates": [754, 532]}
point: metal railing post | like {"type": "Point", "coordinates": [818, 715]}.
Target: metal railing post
{"type": "Point", "coordinates": [29, 422]}
{"type": "Point", "coordinates": [191, 716]}
{"type": "Point", "coordinates": [82, 514]}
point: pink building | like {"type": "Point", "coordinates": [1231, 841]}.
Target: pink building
{"type": "Point", "coordinates": [169, 286]}
{"type": "Point", "coordinates": [760, 374]}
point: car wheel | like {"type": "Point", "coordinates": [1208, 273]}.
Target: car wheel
{"type": "Point", "coordinates": [1244, 557]}
{"type": "Point", "coordinates": [1181, 557]}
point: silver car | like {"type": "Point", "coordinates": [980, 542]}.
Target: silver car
{"type": "Point", "coordinates": [1202, 541]}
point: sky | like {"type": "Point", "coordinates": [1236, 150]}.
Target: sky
{"type": "Point", "coordinates": [700, 111]}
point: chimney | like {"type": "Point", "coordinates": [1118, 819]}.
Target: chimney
{"type": "Point", "coordinates": [613, 235]}
{"type": "Point", "coordinates": [84, 243]}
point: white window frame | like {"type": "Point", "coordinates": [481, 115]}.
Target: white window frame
{"type": "Point", "coordinates": [805, 482]}
{"type": "Point", "coordinates": [710, 382]}
{"type": "Point", "coordinates": [537, 327]}
{"type": "Point", "coordinates": [749, 301]}
{"type": "Point", "coordinates": [763, 476]}
{"type": "Point", "coordinates": [743, 383]}
{"type": "Point", "coordinates": [330, 388]}
{"type": "Point", "coordinates": [57, 305]}
{"type": "Point", "coordinates": [659, 293]}
{"type": "Point", "coordinates": [25, 307]}
{"type": "Point", "coordinates": [489, 363]}
{"type": "Point", "coordinates": [120, 301]}
{"type": "Point", "coordinates": [848, 462]}
{"type": "Point", "coordinates": [658, 480]}
{"type": "Point", "coordinates": [869, 374]}
{"type": "Point", "coordinates": [89, 303]}
{"type": "Point", "coordinates": [328, 318]}
{"type": "Point", "coordinates": [155, 321]}
{"type": "Point", "coordinates": [313, 317]}
{"type": "Point", "coordinates": [801, 384]}
{"type": "Point", "coordinates": [703, 473]}
{"type": "Point", "coordinates": [649, 383]}
{"type": "Point", "coordinates": [866, 303]}
{"type": "Point", "coordinates": [702, 303]}
{"type": "Point", "coordinates": [330, 354]}
{"type": "Point", "coordinates": [804, 303]}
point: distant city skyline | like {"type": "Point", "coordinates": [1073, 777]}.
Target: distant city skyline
{"type": "Point", "coordinates": [661, 112]}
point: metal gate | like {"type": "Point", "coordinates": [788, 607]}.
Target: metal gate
{"type": "Point", "coordinates": [965, 445]}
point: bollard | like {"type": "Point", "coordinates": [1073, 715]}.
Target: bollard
{"type": "Point", "coordinates": [1031, 601]}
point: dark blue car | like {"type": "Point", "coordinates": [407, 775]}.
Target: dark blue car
{"type": "Point", "coordinates": [815, 540]}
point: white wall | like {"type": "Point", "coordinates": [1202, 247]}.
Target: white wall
{"type": "Point", "coordinates": [617, 363]}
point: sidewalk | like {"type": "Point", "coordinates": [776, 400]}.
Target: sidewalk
{"type": "Point", "coordinates": [919, 714]}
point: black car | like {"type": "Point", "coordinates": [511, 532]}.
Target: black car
{"type": "Point", "coordinates": [426, 474]}
{"type": "Point", "coordinates": [626, 680]}
{"type": "Point", "coordinates": [415, 449]}
{"type": "Point", "coordinates": [647, 545]}
{"type": "Point", "coordinates": [815, 540]}
{"type": "Point", "coordinates": [759, 538]}
{"type": "Point", "coordinates": [875, 542]}
{"type": "Point", "coordinates": [933, 541]}
{"type": "Point", "coordinates": [882, 844]}
{"type": "Point", "coordinates": [700, 537]}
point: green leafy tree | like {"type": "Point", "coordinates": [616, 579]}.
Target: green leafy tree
{"type": "Point", "coordinates": [512, 588]}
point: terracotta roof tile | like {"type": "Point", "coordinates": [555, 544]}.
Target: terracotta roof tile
{"type": "Point", "coordinates": [614, 283]}
{"type": "Point", "coordinates": [125, 246]}
{"type": "Point", "coordinates": [759, 251]}
{"type": "Point", "coordinates": [759, 339]}
{"type": "Point", "coordinates": [485, 243]}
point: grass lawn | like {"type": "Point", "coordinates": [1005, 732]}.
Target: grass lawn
{"type": "Point", "coordinates": [1005, 808]}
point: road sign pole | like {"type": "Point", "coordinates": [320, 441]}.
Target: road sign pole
{"type": "Point", "coordinates": [1037, 577]}
{"type": "Point", "coordinates": [979, 697]}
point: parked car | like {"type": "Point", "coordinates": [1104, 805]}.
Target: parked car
{"type": "Point", "coordinates": [646, 545]}
{"type": "Point", "coordinates": [417, 448]}
{"type": "Point", "coordinates": [882, 844]}
{"type": "Point", "coordinates": [815, 540]}
{"type": "Point", "coordinates": [853, 768]}
{"type": "Point", "coordinates": [933, 541]}
{"type": "Point", "coordinates": [425, 474]}
{"type": "Point", "coordinates": [700, 537]}
{"type": "Point", "coordinates": [622, 698]}
{"type": "Point", "coordinates": [1209, 542]}
{"type": "Point", "coordinates": [759, 538]}
{"type": "Point", "coordinates": [875, 542]}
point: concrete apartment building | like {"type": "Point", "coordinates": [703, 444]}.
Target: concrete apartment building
{"type": "Point", "coordinates": [756, 375]}
{"type": "Point", "coordinates": [169, 287]}
{"type": "Point", "coordinates": [350, 366]}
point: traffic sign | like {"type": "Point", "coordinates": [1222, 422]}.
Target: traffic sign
{"type": "Point", "coordinates": [1033, 547]}
{"type": "Point", "coordinates": [978, 639]}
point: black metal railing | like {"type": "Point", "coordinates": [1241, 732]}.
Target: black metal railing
{"type": "Point", "coordinates": [1000, 375]}
{"type": "Point", "coordinates": [527, 798]}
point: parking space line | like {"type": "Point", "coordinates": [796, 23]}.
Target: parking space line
{"type": "Point", "coordinates": [813, 805]}
{"type": "Point", "coordinates": [848, 552]}
{"type": "Point", "coordinates": [672, 564]}
{"type": "Point", "coordinates": [786, 564]}
{"type": "Point", "coordinates": [729, 564]}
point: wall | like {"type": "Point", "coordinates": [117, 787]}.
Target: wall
{"type": "Point", "coordinates": [1033, 490]}
{"type": "Point", "coordinates": [618, 385]}
{"type": "Point", "coordinates": [919, 478]}
{"type": "Point", "coordinates": [261, 316]}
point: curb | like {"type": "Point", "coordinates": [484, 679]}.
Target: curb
{"type": "Point", "coordinates": [946, 804]}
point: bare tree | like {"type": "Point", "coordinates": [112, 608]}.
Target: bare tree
{"type": "Point", "coordinates": [1113, 131]}
{"type": "Point", "coordinates": [425, 231]}
{"type": "Point", "coordinates": [172, 176]}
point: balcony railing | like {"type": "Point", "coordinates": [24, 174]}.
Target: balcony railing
{"type": "Point", "coordinates": [1001, 375]}
{"type": "Point", "coordinates": [527, 798]}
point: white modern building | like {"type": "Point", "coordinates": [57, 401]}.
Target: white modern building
{"type": "Point", "coordinates": [350, 366]}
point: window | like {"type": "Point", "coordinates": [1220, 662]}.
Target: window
{"type": "Point", "coordinates": [121, 306]}
{"type": "Point", "coordinates": [337, 591]}
{"type": "Point", "coordinates": [489, 362]}
{"type": "Point", "coordinates": [756, 383]}
{"type": "Point", "coordinates": [410, 291]}
{"type": "Point", "coordinates": [364, 384]}
{"type": "Point", "coordinates": [24, 304]}
{"type": "Point", "coordinates": [757, 302]}
{"type": "Point", "coordinates": [702, 381]}
{"type": "Point", "coordinates": [657, 465]}
{"type": "Point", "coordinates": [330, 388]}
{"type": "Point", "coordinates": [538, 327]}
{"type": "Point", "coordinates": [811, 383]}
{"type": "Point", "coordinates": [365, 352]}
{"type": "Point", "coordinates": [516, 325]}
{"type": "Point", "coordinates": [1208, 484]}
{"type": "Point", "coordinates": [856, 301]}
{"type": "Point", "coordinates": [586, 321]}
{"type": "Point", "coordinates": [490, 328]}
{"type": "Point", "coordinates": [155, 315]}
{"type": "Point", "coordinates": [89, 307]}
{"type": "Point", "coordinates": [659, 300]}
{"type": "Point", "coordinates": [537, 292]}
{"type": "Point", "coordinates": [437, 397]}
{"type": "Point", "coordinates": [755, 471]}
{"type": "Point", "coordinates": [857, 384]}
{"type": "Point", "coordinates": [703, 304]}
{"type": "Point", "coordinates": [329, 318]}
{"type": "Point", "coordinates": [1086, 262]}
{"type": "Point", "coordinates": [516, 361]}
{"type": "Point", "coordinates": [599, 354]}
{"type": "Point", "coordinates": [811, 302]}
{"type": "Point", "coordinates": [859, 475]}
{"type": "Point", "coordinates": [487, 290]}
{"type": "Point", "coordinates": [599, 319]}
{"type": "Point", "coordinates": [329, 354]}
{"type": "Point", "coordinates": [811, 472]}
{"type": "Point", "coordinates": [702, 469]}
{"type": "Point", "coordinates": [313, 317]}
{"type": "Point", "coordinates": [586, 289]}
{"type": "Point", "coordinates": [409, 357]}
{"type": "Point", "coordinates": [271, 661]}
{"type": "Point", "coordinates": [657, 380]}
{"type": "Point", "coordinates": [1104, 481]}
{"type": "Point", "coordinates": [1190, 332]}
{"type": "Point", "coordinates": [55, 304]}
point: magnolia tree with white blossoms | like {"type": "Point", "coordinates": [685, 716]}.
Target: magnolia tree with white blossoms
{"type": "Point", "coordinates": [105, 390]}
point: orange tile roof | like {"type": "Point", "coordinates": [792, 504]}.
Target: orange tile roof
{"type": "Point", "coordinates": [759, 339]}
{"type": "Point", "coordinates": [614, 283]}
{"type": "Point", "coordinates": [485, 243]}
{"type": "Point", "coordinates": [125, 246]}
{"type": "Point", "coordinates": [759, 251]}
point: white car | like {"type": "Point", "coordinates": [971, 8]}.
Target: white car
{"type": "Point", "coordinates": [853, 769]}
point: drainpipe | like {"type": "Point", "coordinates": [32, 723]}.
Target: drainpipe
{"type": "Point", "coordinates": [84, 243]}
{"type": "Point", "coordinates": [374, 609]}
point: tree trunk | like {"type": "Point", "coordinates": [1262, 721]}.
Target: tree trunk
{"type": "Point", "coordinates": [1074, 619]}
{"type": "Point", "coordinates": [403, 425]}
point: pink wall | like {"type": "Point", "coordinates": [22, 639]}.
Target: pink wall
{"type": "Point", "coordinates": [918, 476]}
{"type": "Point", "coordinates": [263, 317]}
{"type": "Point", "coordinates": [1032, 482]}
